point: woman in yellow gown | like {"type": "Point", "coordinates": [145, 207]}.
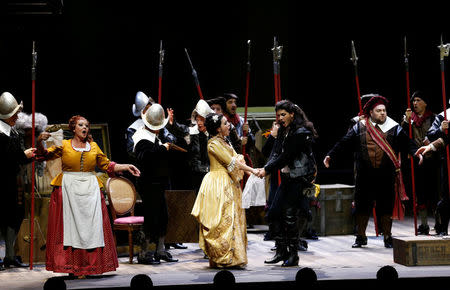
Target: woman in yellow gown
{"type": "Point", "coordinates": [218, 207]}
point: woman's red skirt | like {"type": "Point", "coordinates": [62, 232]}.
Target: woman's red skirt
{"type": "Point", "coordinates": [72, 260]}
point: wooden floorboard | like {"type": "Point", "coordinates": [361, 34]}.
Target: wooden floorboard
{"type": "Point", "coordinates": [331, 257]}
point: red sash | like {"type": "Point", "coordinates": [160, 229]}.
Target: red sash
{"type": "Point", "coordinates": [400, 193]}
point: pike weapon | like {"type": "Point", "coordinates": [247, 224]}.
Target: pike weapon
{"type": "Point", "coordinates": [247, 84]}
{"type": "Point", "coordinates": [408, 102]}
{"type": "Point", "coordinates": [444, 51]}
{"type": "Point", "coordinates": [354, 60]}
{"type": "Point", "coordinates": [33, 141]}
{"type": "Point", "coordinates": [194, 74]}
{"type": "Point", "coordinates": [277, 51]}
{"type": "Point", "coordinates": [160, 74]}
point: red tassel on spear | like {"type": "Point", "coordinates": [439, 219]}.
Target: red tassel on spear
{"type": "Point", "coordinates": [194, 74]}
{"type": "Point", "coordinates": [444, 51]}
{"type": "Point", "coordinates": [33, 104]}
{"type": "Point", "coordinates": [408, 101]}
{"type": "Point", "coordinates": [354, 60]}
{"type": "Point", "coordinates": [160, 75]}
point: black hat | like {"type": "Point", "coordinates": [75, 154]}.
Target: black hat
{"type": "Point", "coordinates": [420, 95]}
{"type": "Point", "coordinates": [230, 96]}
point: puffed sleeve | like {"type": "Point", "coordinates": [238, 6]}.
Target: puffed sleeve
{"type": "Point", "coordinates": [227, 158]}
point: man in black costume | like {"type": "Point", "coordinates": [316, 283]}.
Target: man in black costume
{"type": "Point", "coordinates": [152, 158]}
{"type": "Point", "coordinates": [13, 156]}
{"type": "Point", "coordinates": [375, 142]}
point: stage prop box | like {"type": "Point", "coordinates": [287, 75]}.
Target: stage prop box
{"type": "Point", "coordinates": [334, 217]}
{"type": "Point", "coordinates": [182, 226]}
{"type": "Point", "coordinates": [421, 251]}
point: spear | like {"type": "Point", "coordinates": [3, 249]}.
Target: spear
{"type": "Point", "coordinates": [194, 74]}
{"type": "Point", "coordinates": [247, 84]}
{"type": "Point", "coordinates": [277, 52]}
{"type": "Point", "coordinates": [161, 61]}
{"type": "Point", "coordinates": [444, 51]}
{"type": "Point", "coordinates": [354, 60]}
{"type": "Point", "coordinates": [33, 104]}
{"type": "Point", "coordinates": [408, 101]}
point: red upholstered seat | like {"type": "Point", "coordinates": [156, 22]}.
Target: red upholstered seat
{"type": "Point", "coordinates": [129, 220]}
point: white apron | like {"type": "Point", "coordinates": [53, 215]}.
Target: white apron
{"type": "Point", "coordinates": [82, 211]}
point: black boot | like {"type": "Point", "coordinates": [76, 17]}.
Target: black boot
{"type": "Point", "coordinates": [423, 230]}
{"type": "Point", "coordinates": [388, 242]}
{"type": "Point", "coordinates": [292, 259]}
{"type": "Point", "coordinates": [359, 241]}
{"type": "Point", "coordinates": [2, 268]}
{"type": "Point", "coordinates": [280, 254]}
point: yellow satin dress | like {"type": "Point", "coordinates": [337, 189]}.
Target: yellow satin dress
{"type": "Point", "coordinates": [218, 208]}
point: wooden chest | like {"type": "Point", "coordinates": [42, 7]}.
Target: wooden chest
{"type": "Point", "coordinates": [334, 217]}
{"type": "Point", "coordinates": [182, 226]}
{"type": "Point", "coordinates": [421, 251]}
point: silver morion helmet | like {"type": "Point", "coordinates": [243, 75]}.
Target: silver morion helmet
{"type": "Point", "coordinates": [154, 118]}
{"type": "Point", "coordinates": [202, 108]}
{"type": "Point", "coordinates": [9, 106]}
{"type": "Point", "coordinates": [140, 101]}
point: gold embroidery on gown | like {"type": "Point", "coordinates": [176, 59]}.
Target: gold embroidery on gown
{"type": "Point", "coordinates": [218, 208]}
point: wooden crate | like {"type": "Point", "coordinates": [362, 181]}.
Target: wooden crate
{"type": "Point", "coordinates": [334, 217]}
{"type": "Point", "coordinates": [421, 251]}
{"type": "Point", "coordinates": [182, 226]}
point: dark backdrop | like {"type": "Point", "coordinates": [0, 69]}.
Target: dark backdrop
{"type": "Point", "coordinates": [95, 56]}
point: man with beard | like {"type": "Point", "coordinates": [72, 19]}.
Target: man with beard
{"type": "Point", "coordinates": [375, 142]}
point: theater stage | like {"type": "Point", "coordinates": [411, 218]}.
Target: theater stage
{"type": "Point", "coordinates": [331, 257]}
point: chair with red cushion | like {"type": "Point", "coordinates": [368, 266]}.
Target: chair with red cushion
{"type": "Point", "coordinates": [122, 199]}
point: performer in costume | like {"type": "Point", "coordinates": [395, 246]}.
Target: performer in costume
{"type": "Point", "coordinates": [152, 158]}
{"type": "Point", "coordinates": [426, 175]}
{"type": "Point", "coordinates": [198, 150]}
{"type": "Point", "coordinates": [218, 209]}
{"type": "Point", "coordinates": [238, 122]}
{"type": "Point", "coordinates": [442, 213]}
{"type": "Point", "coordinates": [375, 142]}
{"type": "Point", "coordinates": [218, 105]}
{"type": "Point", "coordinates": [298, 168]}
{"type": "Point", "coordinates": [13, 156]}
{"type": "Point", "coordinates": [79, 236]}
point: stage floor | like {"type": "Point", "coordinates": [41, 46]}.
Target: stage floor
{"type": "Point", "coordinates": [331, 257]}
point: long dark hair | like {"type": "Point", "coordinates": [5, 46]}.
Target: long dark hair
{"type": "Point", "coordinates": [300, 118]}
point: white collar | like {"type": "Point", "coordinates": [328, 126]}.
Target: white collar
{"type": "Point", "coordinates": [386, 126]}
{"type": "Point", "coordinates": [194, 131]}
{"type": "Point", "coordinates": [5, 128]}
{"type": "Point", "coordinates": [448, 113]}
{"type": "Point", "coordinates": [85, 149]}
{"type": "Point", "coordinates": [144, 134]}
{"type": "Point", "coordinates": [137, 124]}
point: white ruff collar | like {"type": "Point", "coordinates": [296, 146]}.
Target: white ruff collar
{"type": "Point", "coordinates": [386, 126]}
{"type": "Point", "coordinates": [5, 128]}
{"type": "Point", "coordinates": [144, 134]}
